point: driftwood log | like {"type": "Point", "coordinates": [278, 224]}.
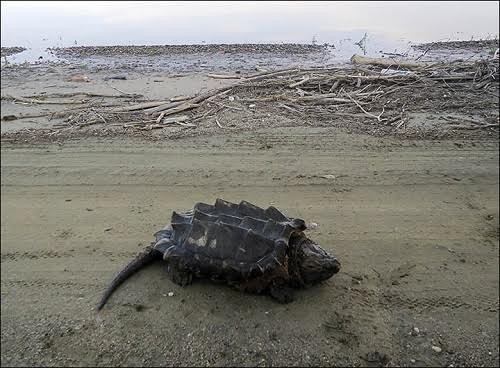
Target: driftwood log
{"type": "Point", "coordinates": [390, 62]}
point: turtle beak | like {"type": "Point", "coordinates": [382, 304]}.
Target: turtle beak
{"type": "Point", "coordinates": [333, 267]}
{"type": "Point", "coordinates": [329, 267]}
{"type": "Point", "coordinates": [317, 265]}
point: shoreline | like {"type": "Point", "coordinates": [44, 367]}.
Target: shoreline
{"type": "Point", "coordinates": [482, 47]}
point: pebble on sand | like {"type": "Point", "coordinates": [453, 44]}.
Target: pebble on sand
{"type": "Point", "coordinates": [437, 349]}
{"type": "Point", "coordinates": [312, 226]}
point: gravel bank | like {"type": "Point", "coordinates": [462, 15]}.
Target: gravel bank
{"type": "Point", "coordinates": [87, 51]}
{"type": "Point", "coordinates": [7, 51]}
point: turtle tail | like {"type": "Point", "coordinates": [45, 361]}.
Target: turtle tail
{"type": "Point", "coordinates": [144, 258]}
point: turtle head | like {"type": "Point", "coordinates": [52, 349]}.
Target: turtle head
{"type": "Point", "coordinates": [315, 264]}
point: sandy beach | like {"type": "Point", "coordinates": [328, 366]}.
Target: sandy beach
{"type": "Point", "coordinates": [413, 218]}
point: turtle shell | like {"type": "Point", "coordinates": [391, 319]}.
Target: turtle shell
{"type": "Point", "coordinates": [241, 240]}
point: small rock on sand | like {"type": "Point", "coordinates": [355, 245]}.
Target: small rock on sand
{"type": "Point", "coordinates": [328, 176]}
{"type": "Point", "coordinates": [78, 78]}
{"type": "Point", "coordinates": [312, 226]}
{"type": "Point", "coordinates": [437, 349]}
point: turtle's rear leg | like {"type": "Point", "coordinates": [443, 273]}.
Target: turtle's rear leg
{"type": "Point", "coordinates": [179, 275]}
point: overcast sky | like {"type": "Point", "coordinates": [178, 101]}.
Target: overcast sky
{"type": "Point", "coordinates": [27, 23]}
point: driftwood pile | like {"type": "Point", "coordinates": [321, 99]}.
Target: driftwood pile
{"type": "Point", "coordinates": [376, 91]}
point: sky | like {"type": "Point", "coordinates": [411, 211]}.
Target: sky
{"type": "Point", "coordinates": [61, 23]}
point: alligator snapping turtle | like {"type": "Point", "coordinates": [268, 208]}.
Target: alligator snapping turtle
{"type": "Point", "coordinates": [245, 246]}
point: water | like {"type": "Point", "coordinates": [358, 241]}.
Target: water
{"type": "Point", "coordinates": [389, 26]}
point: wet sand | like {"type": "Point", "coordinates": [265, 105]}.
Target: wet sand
{"type": "Point", "coordinates": [414, 223]}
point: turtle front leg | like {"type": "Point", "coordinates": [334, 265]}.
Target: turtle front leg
{"type": "Point", "coordinates": [282, 292]}
{"type": "Point", "coordinates": [179, 275]}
